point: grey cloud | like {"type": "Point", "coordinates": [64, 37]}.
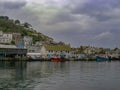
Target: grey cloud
{"type": "Point", "coordinates": [97, 8]}
{"type": "Point", "coordinates": [116, 31]}
{"type": "Point", "coordinates": [66, 24]}
{"type": "Point", "coordinates": [62, 17]}
{"type": "Point", "coordinates": [12, 5]}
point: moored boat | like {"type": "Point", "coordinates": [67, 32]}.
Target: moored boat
{"type": "Point", "coordinates": [33, 56]}
{"type": "Point", "coordinates": [115, 58]}
{"type": "Point", "coordinates": [56, 59]}
{"type": "Point", "coordinates": [101, 58]}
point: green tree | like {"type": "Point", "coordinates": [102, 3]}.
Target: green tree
{"type": "Point", "coordinates": [4, 17]}
{"type": "Point", "coordinates": [27, 25]}
{"type": "Point", "coordinates": [17, 22]}
{"type": "Point", "coordinates": [13, 42]}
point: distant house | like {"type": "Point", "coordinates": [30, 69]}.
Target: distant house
{"type": "Point", "coordinates": [1, 33]}
{"type": "Point", "coordinates": [58, 50]}
{"type": "Point", "coordinates": [5, 38]}
{"type": "Point", "coordinates": [27, 41]}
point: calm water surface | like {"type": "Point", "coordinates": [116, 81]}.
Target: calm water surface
{"type": "Point", "coordinates": [59, 76]}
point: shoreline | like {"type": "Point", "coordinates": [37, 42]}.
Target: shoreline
{"type": "Point", "coordinates": [29, 60]}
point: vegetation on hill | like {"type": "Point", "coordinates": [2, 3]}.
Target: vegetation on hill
{"type": "Point", "coordinates": [15, 26]}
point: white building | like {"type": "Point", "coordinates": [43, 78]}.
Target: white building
{"type": "Point", "coordinates": [27, 41]}
{"type": "Point", "coordinates": [5, 38]}
{"type": "Point", "coordinates": [48, 51]}
{"type": "Point", "coordinates": [59, 51]}
{"type": "Point", "coordinates": [38, 51]}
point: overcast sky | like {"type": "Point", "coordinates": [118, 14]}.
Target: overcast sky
{"type": "Point", "coordinates": [78, 22]}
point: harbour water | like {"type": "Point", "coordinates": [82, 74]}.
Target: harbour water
{"type": "Point", "coordinates": [74, 75]}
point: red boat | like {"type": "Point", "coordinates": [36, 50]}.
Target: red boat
{"type": "Point", "coordinates": [56, 59]}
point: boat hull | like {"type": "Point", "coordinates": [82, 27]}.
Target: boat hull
{"type": "Point", "coordinates": [100, 59]}
{"type": "Point", "coordinates": [115, 58]}
{"type": "Point", "coordinates": [58, 59]}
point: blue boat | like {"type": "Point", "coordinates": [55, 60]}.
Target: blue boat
{"type": "Point", "coordinates": [100, 59]}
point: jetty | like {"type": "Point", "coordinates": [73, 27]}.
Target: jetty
{"type": "Point", "coordinates": [13, 54]}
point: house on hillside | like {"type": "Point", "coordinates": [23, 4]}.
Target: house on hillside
{"type": "Point", "coordinates": [18, 39]}
{"type": "Point", "coordinates": [27, 41]}
{"type": "Point", "coordinates": [5, 38]}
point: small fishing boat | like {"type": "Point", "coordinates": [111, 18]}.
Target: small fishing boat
{"type": "Point", "coordinates": [56, 59]}
{"type": "Point", "coordinates": [101, 58]}
{"type": "Point", "coordinates": [33, 56]}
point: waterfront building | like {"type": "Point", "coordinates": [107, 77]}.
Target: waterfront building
{"type": "Point", "coordinates": [11, 51]}
{"type": "Point", "coordinates": [58, 50]}
{"type": "Point", "coordinates": [38, 51]}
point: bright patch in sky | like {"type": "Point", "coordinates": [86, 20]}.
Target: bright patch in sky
{"type": "Point", "coordinates": [46, 2]}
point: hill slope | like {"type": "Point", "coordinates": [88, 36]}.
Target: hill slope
{"type": "Point", "coordinates": [10, 26]}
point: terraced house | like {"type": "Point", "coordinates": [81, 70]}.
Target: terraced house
{"type": "Point", "coordinates": [59, 51]}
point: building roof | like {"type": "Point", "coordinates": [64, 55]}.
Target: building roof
{"type": "Point", "coordinates": [7, 46]}
{"type": "Point", "coordinates": [58, 47]}
{"type": "Point", "coordinates": [36, 49]}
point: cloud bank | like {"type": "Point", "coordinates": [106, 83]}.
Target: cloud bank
{"type": "Point", "coordinates": [78, 22]}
